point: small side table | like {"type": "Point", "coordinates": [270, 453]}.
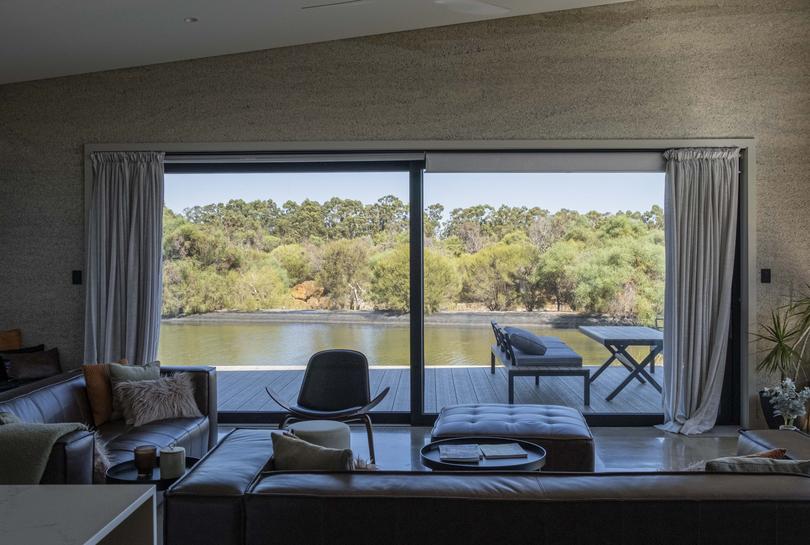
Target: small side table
{"type": "Point", "coordinates": [125, 473]}
{"type": "Point", "coordinates": [534, 461]}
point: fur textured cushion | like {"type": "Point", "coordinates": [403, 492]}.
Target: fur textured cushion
{"type": "Point", "coordinates": [145, 401]}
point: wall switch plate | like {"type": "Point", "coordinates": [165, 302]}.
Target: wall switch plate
{"type": "Point", "coordinates": [765, 276]}
{"type": "Point", "coordinates": [76, 277]}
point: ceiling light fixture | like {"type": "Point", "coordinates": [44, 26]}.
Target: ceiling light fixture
{"type": "Point", "coordinates": [472, 7]}
{"type": "Point", "coordinates": [190, 20]}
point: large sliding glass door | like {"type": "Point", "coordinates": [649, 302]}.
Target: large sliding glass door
{"type": "Point", "coordinates": [410, 261]}
{"type": "Point", "coordinates": [267, 264]}
{"type": "Point", "coordinates": [551, 254]}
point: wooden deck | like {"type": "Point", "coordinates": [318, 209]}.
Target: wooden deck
{"type": "Point", "coordinates": [243, 391]}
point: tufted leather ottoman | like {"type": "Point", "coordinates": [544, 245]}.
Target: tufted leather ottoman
{"type": "Point", "coordinates": [562, 431]}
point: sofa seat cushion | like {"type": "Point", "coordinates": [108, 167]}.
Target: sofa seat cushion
{"type": "Point", "coordinates": [189, 433]}
{"type": "Point", "coordinates": [562, 431]}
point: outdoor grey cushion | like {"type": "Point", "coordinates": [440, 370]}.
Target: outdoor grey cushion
{"type": "Point", "coordinates": [526, 341]}
{"type": "Point", "coordinates": [557, 355]}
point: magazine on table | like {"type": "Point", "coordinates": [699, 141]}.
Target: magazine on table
{"type": "Point", "coordinates": [459, 453]}
{"type": "Point", "coordinates": [503, 450]}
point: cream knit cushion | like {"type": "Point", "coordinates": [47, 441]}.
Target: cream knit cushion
{"type": "Point", "coordinates": [291, 453]}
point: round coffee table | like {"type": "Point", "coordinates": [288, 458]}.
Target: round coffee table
{"type": "Point", "coordinates": [534, 461]}
{"type": "Point", "coordinates": [125, 473]}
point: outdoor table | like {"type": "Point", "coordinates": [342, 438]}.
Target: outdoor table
{"type": "Point", "coordinates": [617, 339]}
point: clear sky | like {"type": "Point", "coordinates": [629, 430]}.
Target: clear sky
{"type": "Point", "coordinates": [603, 192]}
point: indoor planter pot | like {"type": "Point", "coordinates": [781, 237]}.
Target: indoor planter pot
{"type": "Point", "coordinates": [773, 420]}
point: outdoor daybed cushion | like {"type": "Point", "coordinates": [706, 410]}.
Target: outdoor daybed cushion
{"type": "Point", "coordinates": [526, 341]}
{"type": "Point", "coordinates": [558, 354]}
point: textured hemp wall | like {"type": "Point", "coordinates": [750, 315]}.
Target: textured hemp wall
{"type": "Point", "coordinates": [644, 69]}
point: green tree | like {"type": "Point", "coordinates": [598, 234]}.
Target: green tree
{"type": "Point", "coordinates": [344, 272]}
{"type": "Point", "coordinates": [296, 260]}
{"type": "Point", "coordinates": [390, 280]}
{"type": "Point", "coordinates": [389, 213]}
{"type": "Point", "coordinates": [260, 286]}
{"type": "Point", "coordinates": [300, 222]}
{"type": "Point", "coordinates": [491, 275]}
{"type": "Point", "coordinates": [555, 271]}
{"type": "Point", "coordinates": [433, 220]}
{"type": "Point", "coordinates": [345, 218]}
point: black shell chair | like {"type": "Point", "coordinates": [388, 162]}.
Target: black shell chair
{"type": "Point", "coordinates": [335, 387]}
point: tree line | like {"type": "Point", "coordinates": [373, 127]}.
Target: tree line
{"type": "Point", "coordinates": [344, 254]}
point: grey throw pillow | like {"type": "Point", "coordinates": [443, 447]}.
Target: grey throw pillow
{"type": "Point", "coordinates": [129, 373]}
{"type": "Point", "coordinates": [745, 464]}
{"type": "Point", "coordinates": [526, 341]}
{"type": "Point", "coordinates": [292, 453]}
{"type": "Point", "coordinates": [145, 401]}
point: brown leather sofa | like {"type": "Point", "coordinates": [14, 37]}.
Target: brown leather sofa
{"type": "Point", "coordinates": [63, 398]}
{"type": "Point", "coordinates": [232, 497]}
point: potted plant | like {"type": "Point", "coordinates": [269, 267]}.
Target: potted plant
{"type": "Point", "coordinates": [786, 337]}
{"type": "Point", "coordinates": [788, 402]}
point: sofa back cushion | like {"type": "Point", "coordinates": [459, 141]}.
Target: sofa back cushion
{"type": "Point", "coordinates": [62, 398]}
{"type": "Point", "coordinates": [542, 509]}
{"type": "Point", "coordinates": [32, 365]}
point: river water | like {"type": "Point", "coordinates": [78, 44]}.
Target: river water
{"type": "Point", "coordinates": [285, 344]}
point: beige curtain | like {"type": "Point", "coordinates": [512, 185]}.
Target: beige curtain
{"type": "Point", "coordinates": [700, 214]}
{"type": "Point", "coordinates": [124, 249]}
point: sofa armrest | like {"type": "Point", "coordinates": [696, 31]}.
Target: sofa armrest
{"type": "Point", "coordinates": [205, 392]}
{"type": "Point", "coordinates": [71, 460]}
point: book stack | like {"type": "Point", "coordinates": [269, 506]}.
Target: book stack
{"type": "Point", "coordinates": [473, 453]}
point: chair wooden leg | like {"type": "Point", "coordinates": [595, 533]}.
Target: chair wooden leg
{"type": "Point", "coordinates": [370, 432]}
{"type": "Point", "coordinates": [537, 380]}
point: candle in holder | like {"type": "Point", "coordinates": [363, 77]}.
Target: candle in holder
{"type": "Point", "coordinates": [145, 458]}
{"type": "Point", "coordinates": [172, 462]}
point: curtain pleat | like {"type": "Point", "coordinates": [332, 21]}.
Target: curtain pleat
{"type": "Point", "coordinates": [123, 262]}
{"type": "Point", "coordinates": [700, 215]}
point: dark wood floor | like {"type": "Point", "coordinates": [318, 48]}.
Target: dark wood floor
{"type": "Point", "coordinates": [244, 390]}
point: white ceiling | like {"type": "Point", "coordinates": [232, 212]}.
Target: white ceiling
{"type": "Point", "coordinates": [50, 38]}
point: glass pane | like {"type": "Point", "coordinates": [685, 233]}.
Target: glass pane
{"type": "Point", "coordinates": [546, 253]}
{"type": "Point", "coordinates": [262, 270]}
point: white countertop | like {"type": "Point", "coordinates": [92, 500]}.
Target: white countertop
{"type": "Point", "coordinates": [66, 514]}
